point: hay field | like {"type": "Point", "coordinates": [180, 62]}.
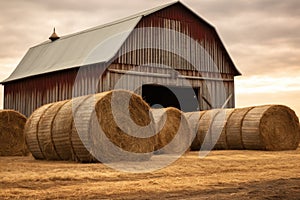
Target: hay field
{"type": "Point", "coordinates": [221, 175]}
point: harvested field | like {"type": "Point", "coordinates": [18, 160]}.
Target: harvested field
{"type": "Point", "coordinates": [220, 175]}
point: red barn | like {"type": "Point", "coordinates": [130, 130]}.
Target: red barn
{"type": "Point", "coordinates": [160, 52]}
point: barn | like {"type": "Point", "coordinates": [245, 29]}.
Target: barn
{"type": "Point", "coordinates": [167, 54]}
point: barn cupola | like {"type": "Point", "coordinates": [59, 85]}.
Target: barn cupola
{"type": "Point", "coordinates": [54, 36]}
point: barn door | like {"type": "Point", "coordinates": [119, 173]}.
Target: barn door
{"type": "Point", "coordinates": [183, 98]}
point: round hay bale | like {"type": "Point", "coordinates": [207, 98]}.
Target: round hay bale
{"type": "Point", "coordinates": [234, 128]}
{"type": "Point", "coordinates": [80, 132]}
{"type": "Point", "coordinates": [211, 123]}
{"type": "Point", "coordinates": [50, 133]}
{"type": "Point", "coordinates": [193, 120]}
{"type": "Point", "coordinates": [31, 132]}
{"type": "Point", "coordinates": [173, 131]}
{"type": "Point", "coordinates": [205, 135]}
{"type": "Point", "coordinates": [12, 141]}
{"type": "Point", "coordinates": [62, 132]}
{"type": "Point", "coordinates": [271, 127]}
{"type": "Point", "coordinates": [125, 120]}
{"type": "Point", "coordinates": [94, 126]}
{"type": "Point", "coordinates": [218, 129]}
{"type": "Point", "coordinates": [45, 132]}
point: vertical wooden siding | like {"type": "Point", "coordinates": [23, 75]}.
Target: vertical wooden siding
{"type": "Point", "coordinates": [28, 94]}
{"type": "Point", "coordinates": [180, 20]}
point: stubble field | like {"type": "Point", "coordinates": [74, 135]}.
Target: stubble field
{"type": "Point", "coordinates": [220, 175]}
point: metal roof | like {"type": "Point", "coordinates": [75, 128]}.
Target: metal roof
{"type": "Point", "coordinates": [78, 49]}
{"type": "Point", "coordinates": [73, 51]}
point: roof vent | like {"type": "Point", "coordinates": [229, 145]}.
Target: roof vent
{"type": "Point", "coordinates": [54, 36]}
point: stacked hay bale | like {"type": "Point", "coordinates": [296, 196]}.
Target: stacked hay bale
{"type": "Point", "coordinates": [91, 128]}
{"type": "Point", "coordinates": [269, 127]}
{"type": "Point", "coordinates": [173, 134]}
{"type": "Point", "coordinates": [12, 141]}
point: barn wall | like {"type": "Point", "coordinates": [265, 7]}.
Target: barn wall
{"type": "Point", "coordinates": [28, 94]}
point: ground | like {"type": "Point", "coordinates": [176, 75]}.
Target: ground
{"type": "Point", "coordinates": [220, 175]}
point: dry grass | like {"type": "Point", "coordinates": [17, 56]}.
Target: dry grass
{"type": "Point", "coordinates": [221, 175]}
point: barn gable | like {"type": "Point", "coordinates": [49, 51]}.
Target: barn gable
{"type": "Point", "coordinates": [181, 19]}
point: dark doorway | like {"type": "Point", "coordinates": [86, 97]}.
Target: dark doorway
{"type": "Point", "coordinates": [183, 98]}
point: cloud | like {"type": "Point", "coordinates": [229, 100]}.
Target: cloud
{"type": "Point", "coordinates": [288, 98]}
{"type": "Point", "coordinates": [259, 34]}
{"type": "Point", "coordinates": [94, 6]}
{"type": "Point", "coordinates": [281, 89]}
{"type": "Point", "coordinates": [267, 85]}
{"type": "Point", "coordinates": [27, 23]}
{"type": "Point", "coordinates": [270, 61]}
{"type": "Point", "coordinates": [223, 9]}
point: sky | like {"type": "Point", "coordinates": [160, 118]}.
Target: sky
{"type": "Point", "coordinates": [261, 36]}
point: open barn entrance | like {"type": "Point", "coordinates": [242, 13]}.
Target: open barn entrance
{"type": "Point", "coordinates": [183, 98]}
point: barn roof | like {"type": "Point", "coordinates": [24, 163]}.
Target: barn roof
{"type": "Point", "coordinates": [71, 51]}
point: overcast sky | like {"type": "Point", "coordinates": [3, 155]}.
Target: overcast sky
{"type": "Point", "coordinates": [262, 37]}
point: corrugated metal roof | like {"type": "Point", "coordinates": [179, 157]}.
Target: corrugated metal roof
{"type": "Point", "coordinates": [73, 51]}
